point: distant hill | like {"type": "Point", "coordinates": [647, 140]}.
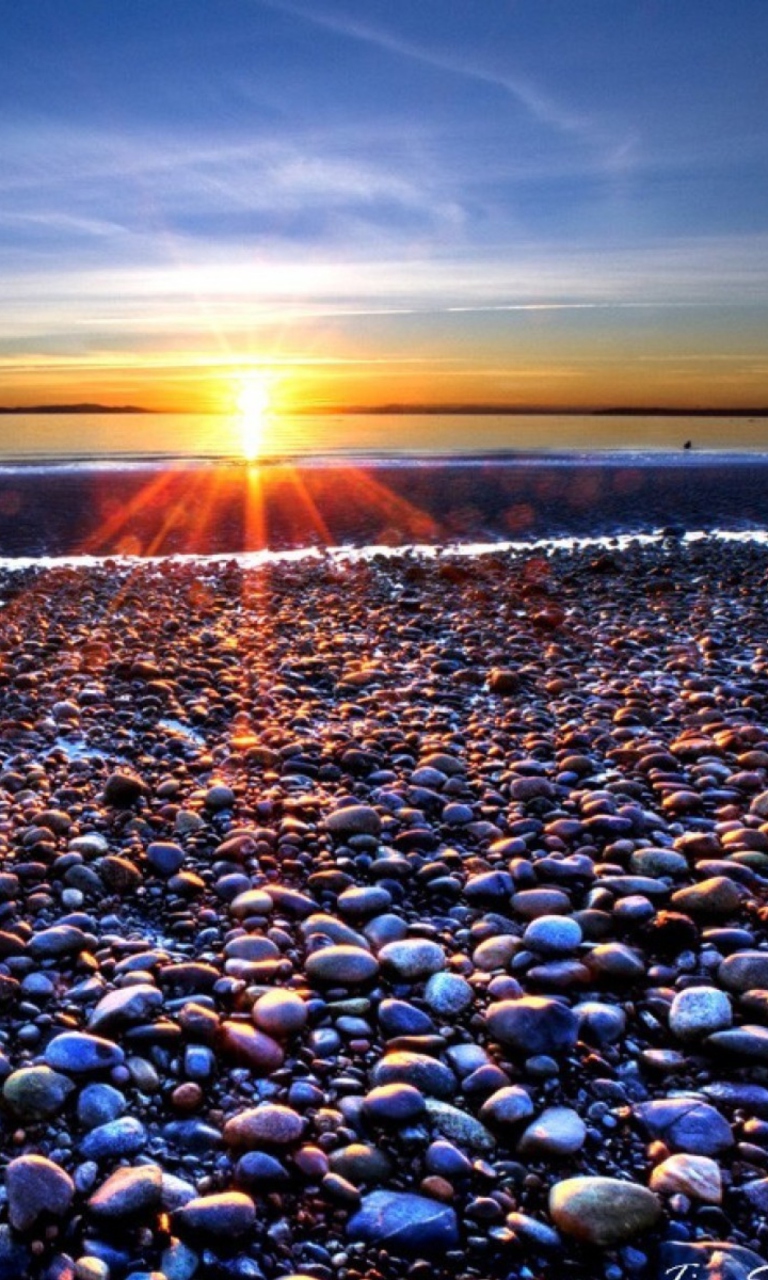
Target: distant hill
{"type": "Point", "coordinates": [74, 408]}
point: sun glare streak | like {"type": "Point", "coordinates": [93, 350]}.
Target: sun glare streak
{"type": "Point", "coordinates": [253, 406]}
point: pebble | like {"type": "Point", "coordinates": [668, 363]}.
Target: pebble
{"type": "Point", "coordinates": [459, 1126]}
{"type": "Point", "coordinates": [553, 935]}
{"type": "Point", "coordinates": [59, 940]}
{"type": "Point", "coordinates": [280, 1013]}
{"type": "Point", "coordinates": [81, 1054]}
{"type": "Point", "coordinates": [533, 1025]}
{"type": "Point", "coordinates": [36, 1187]}
{"type": "Point", "coordinates": [250, 1046]}
{"type": "Point", "coordinates": [124, 1006]}
{"type": "Point", "coordinates": [448, 994]}
{"type": "Point", "coordinates": [507, 1106]}
{"type": "Point", "coordinates": [346, 965]}
{"type": "Point", "coordinates": [411, 959]}
{"type": "Point", "coordinates": [393, 1104]}
{"type": "Point", "coordinates": [123, 1137]}
{"type": "Point", "coordinates": [37, 1093]}
{"type": "Point", "coordinates": [558, 1131]}
{"type": "Point", "coordinates": [221, 1217]}
{"type": "Point", "coordinates": [405, 1224]}
{"type": "Point", "coordinates": [418, 1069]}
{"type": "Point", "coordinates": [744, 971]}
{"type": "Point", "coordinates": [686, 1124]}
{"type": "Point", "coordinates": [353, 820]}
{"type": "Point", "coordinates": [270, 1125]}
{"type": "Point", "coordinates": [697, 1011]}
{"type": "Point", "coordinates": [698, 1177]}
{"type": "Point", "coordinates": [602, 1211]}
{"type": "Point", "coordinates": [129, 1192]}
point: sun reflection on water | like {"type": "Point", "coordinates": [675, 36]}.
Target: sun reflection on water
{"type": "Point", "coordinates": [253, 408]}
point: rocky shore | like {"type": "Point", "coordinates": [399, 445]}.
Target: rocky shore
{"type": "Point", "coordinates": [384, 919]}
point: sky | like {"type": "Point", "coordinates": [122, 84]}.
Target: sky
{"type": "Point", "coordinates": [371, 202]}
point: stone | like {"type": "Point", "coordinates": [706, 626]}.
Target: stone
{"type": "Point", "coordinates": [507, 1106]}
{"type": "Point", "coordinates": [552, 935]}
{"type": "Point", "coordinates": [744, 971]}
{"type": "Point", "coordinates": [59, 940]}
{"type": "Point", "coordinates": [36, 1093]}
{"type": "Point", "coordinates": [250, 1046]}
{"type": "Point", "coordinates": [364, 901]}
{"type": "Point", "coordinates": [253, 902]}
{"type": "Point", "coordinates": [405, 1224]}
{"type": "Point", "coordinates": [558, 1131]}
{"type": "Point", "coordinates": [697, 1011]}
{"type": "Point", "coordinates": [353, 820]}
{"type": "Point", "coordinates": [36, 1187]}
{"type": "Point", "coordinates": [270, 1125]}
{"type": "Point", "coordinates": [412, 959]}
{"type": "Point", "coordinates": [602, 1211]}
{"type": "Point", "coordinates": [81, 1053]}
{"type": "Point", "coordinates": [399, 1018]}
{"type": "Point", "coordinates": [227, 1215]}
{"type": "Point", "coordinates": [259, 1169]}
{"type": "Point", "coordinates": [418, 1069]}
{"type": "Point", "coordinates": [393, 1104]}
{"type": "Point", "coordinates": [615, 961]}
{"type": "Point", "coordinates": [600, 1023]}
{"type": "Point", "coordinates": [280, 1013]}
{"type": "Point", "coordinates": [116, 1139]}
{"type": "Point", "coordinates": [361, 1164]}
{"type": "Point", "coordinates": [130, 1192]}
{"type": "Point", "coordinates": [685, 1124]}
{"type": "Point", "coordinates": [344, 966]}
{"type": "Point", "coordinates": [448, 994]}
{"type": "Point", "coordinates": [459, 1126]}
{"type": "Point", "coordinates": [750, 1042]}
{"type": "Point", "coordinates": [533, 1024]}
{"type": "Point", "coordinates": [99, 1103]}
{"type": "Point", "coordinates": [121, 790]}
{"type": "Point", "coordinates": [119, 1008]}
{"type": "Point", "coordinates": [165, 858]}
{"type": "Point", "coordinates": [697, 1177]}
{"type": "Point", "coordinates": [718, 896]}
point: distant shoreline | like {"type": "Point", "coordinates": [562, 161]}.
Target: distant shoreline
{"type": "Point", "coordinates": [655, 411]}
{"type": "Point", "coordinates": [75, 408]}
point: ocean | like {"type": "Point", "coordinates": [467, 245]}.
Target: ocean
{"type": "Point", "coordinates": [165, 484]}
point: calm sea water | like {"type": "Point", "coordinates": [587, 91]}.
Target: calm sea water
{"type": "Point", "coordinates": [91, 436]}
{"type": "Point", "coordinates": [150, 485]}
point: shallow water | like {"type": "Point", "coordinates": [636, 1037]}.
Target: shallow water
{"type": "Point", "coordinates": [107, 508]}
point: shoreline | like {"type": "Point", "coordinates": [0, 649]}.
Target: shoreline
{"type": "Point", "coordinates": [301, 844]}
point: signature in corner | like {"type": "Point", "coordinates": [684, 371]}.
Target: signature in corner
{"type": "Point", "coordinates": [695, 1271]}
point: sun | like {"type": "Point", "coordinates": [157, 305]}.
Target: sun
{"type": "Point", "coordinates": [253, 402]}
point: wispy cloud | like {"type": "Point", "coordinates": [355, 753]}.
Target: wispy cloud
{"type": "Point", "coordinates": [542, 106]}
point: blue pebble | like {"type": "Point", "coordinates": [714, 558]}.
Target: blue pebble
{"type": "Point", "coordinates": [98, 1104]}
{"type": "Point", "coordinates": [124, 1137]}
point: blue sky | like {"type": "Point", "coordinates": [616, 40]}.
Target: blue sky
{"type": "Point", "coordinates": [483, 200]}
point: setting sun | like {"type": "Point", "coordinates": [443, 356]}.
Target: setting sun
{"type": "Point", "coordinates": [253, 404]}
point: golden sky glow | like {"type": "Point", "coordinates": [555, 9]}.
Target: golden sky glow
{"type": "Point", "coordinates": [494, 205]}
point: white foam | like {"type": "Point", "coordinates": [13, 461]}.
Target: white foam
{"type": "Point", "coordinates": [423, 550]}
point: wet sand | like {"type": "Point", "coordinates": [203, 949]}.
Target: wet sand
{"type": "Point", "coordinates": [349, 911]}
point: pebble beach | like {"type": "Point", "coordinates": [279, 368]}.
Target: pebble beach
{"type": "Point", "coordinates": [388, 917]}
